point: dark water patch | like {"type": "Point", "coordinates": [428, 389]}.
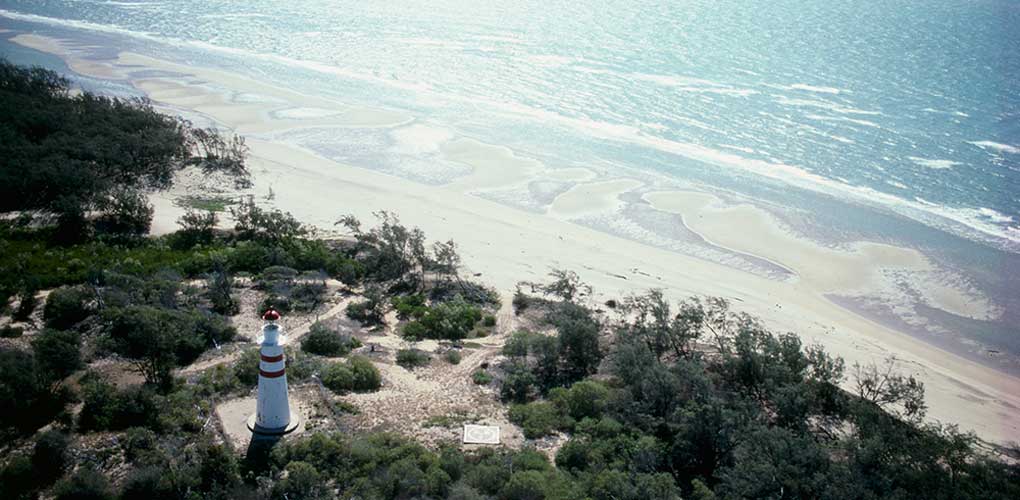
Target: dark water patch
{"type": "Point", "coordinates": [949, 339]}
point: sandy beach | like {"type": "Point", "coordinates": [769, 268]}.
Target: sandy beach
{"type": "Point", "coordinates": [508, 244]}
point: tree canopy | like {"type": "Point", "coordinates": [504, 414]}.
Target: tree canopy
{"type": "Point", "coordinates": [72, 155]}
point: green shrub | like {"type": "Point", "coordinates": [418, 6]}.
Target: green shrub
{"type": "Point", "coordinates": [519, 384]}
{"type": "Point", "coordinates": [412, 358]}
{"type": "Point", "coordinates": [537, 419]}
{"type": "Point", "coordinates": [219, 289]}
{"type": "Point", "coordinates": [518, 345]}
{"type": "Point", "coordinates": [57, 353]}
{"type": "Point", "coordinates": [196, 229]}
{"type": "Point", "coordinates": [86, 484]}
{"type": "Point", "coordinates": [584, 399]}
{"type": "Point", "coordinates": [358, 374]}
{"type": "Point", "coordinates": [148, 482]}
{"type": "Point", "coordinates": [409, 306]}
{"type": "Point", "coordinates": [28, 398]}
{"type": "Point", "coordinates": [305, 297]}
{"type": "Point", "coordinates": [366, 375]}
{"type": "Point", "coordinates": [50, 455]}
{"type": "Point", "coordinates": [303, 480]}
{"type": "Point", "coordinates": [452, 356]}
{"type": "Point", "coordinates": [141, 446]}
{"type": "Point", "coordinates": [413, 330]}
{"type": "Point", "coordinates": [249, 256]}
{"type": "Point", "coordinates": [338, 378]}
{"type": "Point", "coordinates": [107, 408]}
{"type": "Point", "coordinates": [275, 274]}
{"type": "Point", "coordinates": [301, 367]}
{"type": "Point", "coordinates": [521, 301]}
{"type": "Point", "coordinates": [311, 255]}
{"type": "Point", "coordinates": [481, 377]}
{"type": "Point", "coordinates": [450, 320]}
{"type": "Point", "coordinates": [11, 332]}
{"type": "Point", "coordinates": [66, 307]}
{"type": "Point", "coordinates": [489, 320]}
{"type": "Point", "coordinates": [349, 271]}
{"type": "Point", "coordinates": [325, 341]}
{"type": "Point", "coordinates": [246, 368]}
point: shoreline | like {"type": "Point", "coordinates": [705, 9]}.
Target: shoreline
{"type": "Point", "coordinates": [509, 245]}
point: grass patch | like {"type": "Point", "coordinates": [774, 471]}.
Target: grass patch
{"type": "Point", "coordinates": [205, 203]}
{"type": "Point", "coordinates": [481, 377]}
{"type": "Point", "coordinates": [447, 421]}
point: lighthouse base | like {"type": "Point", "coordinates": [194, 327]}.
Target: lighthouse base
{"type": "Point", "coordinates": [278, 431]}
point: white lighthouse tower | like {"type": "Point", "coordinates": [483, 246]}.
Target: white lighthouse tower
{"type": "Point", "coordinates": [272, 413]}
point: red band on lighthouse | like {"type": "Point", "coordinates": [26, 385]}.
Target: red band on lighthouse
{"type": "Point", "coordinates": [266, 374]}
{"type": "Point", "coordinates": [272, 359]}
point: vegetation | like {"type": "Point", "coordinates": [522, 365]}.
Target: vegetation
{"type": "Point", "coordinates": [412, 358]}
{"type": "Point", "coordinates": [357, 374]}
{"type": "Point", "coordinates": [481, 377]}
{"type": "Point", "coordinates": [452, 356]}
{"type": "Point", "coordinates": [69, 155]}
{"type": "Point", "coordinates": [451, 320]}
{"type": "Point", "coordinates": [326, 341]}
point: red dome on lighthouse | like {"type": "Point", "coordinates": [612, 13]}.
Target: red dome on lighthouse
{"type": "Point", "coordinates": [271, 315]}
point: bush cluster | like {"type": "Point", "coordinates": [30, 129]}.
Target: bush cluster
{"type": "Point", "coordinates": [326, 341]}
{"type": "Point", "coordinates": [412, 358]}
{"type": "Point", "coordinates": [357, 374]}
{"type": "Point", "coordinates": [67, 306]}
{"type": "Point", "coordinates": [452, 320]}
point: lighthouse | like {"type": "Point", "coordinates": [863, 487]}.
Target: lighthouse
{"type": "Point", "coordinates": [272, 412]}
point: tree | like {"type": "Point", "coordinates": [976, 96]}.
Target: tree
{"type": "Point", "coordinates": [325, 341]}
{"type": "Point", "coordinates": [303, 482]}
{"type": "Point", "coordinates": [566, 285]}
{"type": "Point", "coordinates": [124, 213]}
{"type": "Point", "coordinates": [446, 259]}
{"type": "Point", "coordinates": [50, 455]}
{"type": "Point", "coordinates": [371, 310]}
{"type": "Point", "coordinates": [67, 306]}
{"type": "Point", "coordinates": [578, 334]}
{"type": "Point", "coordinates": [70, 155]}
{"type": "Point", "coordinates": [268, 226]}
{"type": "Point", "coordinates": [219, 288]}
{"type": "Point", "coordinates": [57, 353]}
{"type": "Point", "coordinates": [654, 323]}
{"type": "Point", "coordinates": [777, 463]}
{"type": "Point", "coordinates": [196, 228]}
{"type": "Point", "coordinates": [86, 484]}
{"type": "Point", "coordinates": [893, 392]}
{"type": "Point", "coordinates": [26, 395]}
{"type": "Point", "coordinates": [390, 251]}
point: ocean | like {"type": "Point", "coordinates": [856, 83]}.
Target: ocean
{"type": "Point", "coordinates": [886, 121]}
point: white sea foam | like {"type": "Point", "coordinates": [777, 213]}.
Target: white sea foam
{"type": "Point", "coordinates": [846, 119]}
{"type": "Point", "coordinates": [934, 164]}
{"type": "Point", "coordinates": [305, 113]}
{"type": "Point", "coordinates": [1004, 148]}
{"type": "Point", "coordinates": [812, 88]}
{"type": "Point", "coordinates": [831, 106]}
{"type": "Point", "coordinates": [420, 139]}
